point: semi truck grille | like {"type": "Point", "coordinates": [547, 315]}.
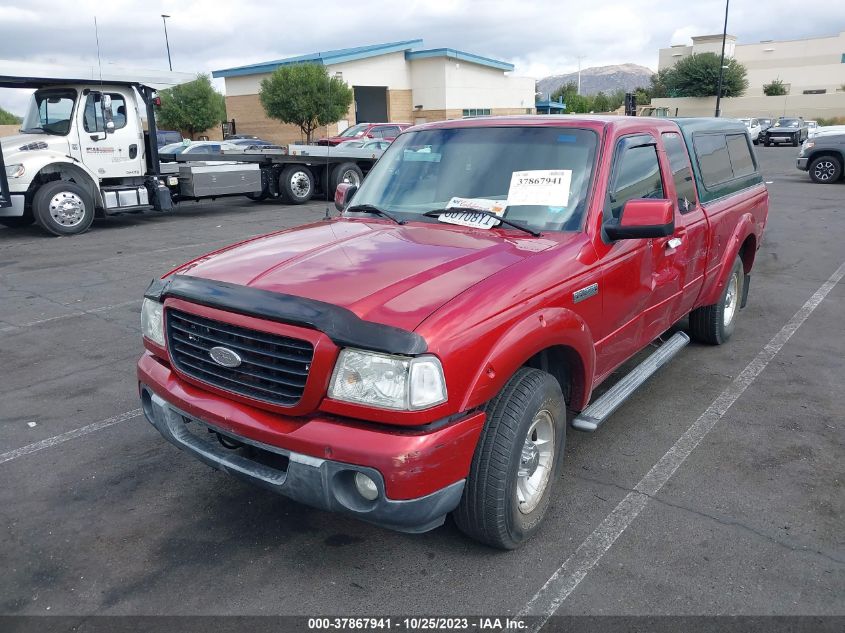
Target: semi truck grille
{"type": "Point", "coordinates": [259, 365]}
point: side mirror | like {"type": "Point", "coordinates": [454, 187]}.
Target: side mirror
{"type": "Point", "coordinates": [641, 219]}
{"type": "Point", "coordinates": [108, 115]}
{"type": "Point", "coordinates": [343, 194]}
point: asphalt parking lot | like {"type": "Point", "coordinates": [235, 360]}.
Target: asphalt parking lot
{"type": "Point", "coordinates": [111, 519]}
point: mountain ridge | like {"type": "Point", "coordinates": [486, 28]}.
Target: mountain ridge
{"type": "Point", "coordinates": [600, 79]}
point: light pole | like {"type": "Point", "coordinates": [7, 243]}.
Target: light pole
{"type": "Point", "coordinates": [166, 41]}
{"type": "Point", "coordinates": [722, 62]}
{"type": "Point", "coordinates": [580, 57]}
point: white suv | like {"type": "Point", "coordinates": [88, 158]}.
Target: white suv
{"type": "Point", "coordinates": [754, 129]}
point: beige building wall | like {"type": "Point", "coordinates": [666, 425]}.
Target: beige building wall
{"type": "Point", "coordinates": [807, 106]}
{"type": "Point", "coordinates": [810, 64]}
{"type": "Point", "coordinates": [400, 106]}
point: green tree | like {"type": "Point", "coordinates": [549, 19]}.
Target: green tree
{"type": "Point", "coordinates": [615, 99]}
{"type": "Point", "coordinates": [775, 89]}
{"type": "Point", "coordinates": [7, 118]}
{"type": "Point", "coordinates": [192, 107]}
{"type": "Point", "coordinates": [600, 102]}
{"type": "Point", "coordinates": [658, 86]}
{"type": "Point", "coordinates": [698, 76]}
{"type": "Point", "coordinates": [305, 95]}
{"type": "Point", "coordinates": [643, 96]}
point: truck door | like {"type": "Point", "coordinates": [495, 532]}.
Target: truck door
{"type": "Point", "coordinates": [685, 253]}
{"type": "Point", "coordinates": [639, 287]}
{"type": "Point", "coordinates": [114, 153]}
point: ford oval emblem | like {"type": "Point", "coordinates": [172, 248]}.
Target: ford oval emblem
{"type": "Point", "coordinates": [224, 356]}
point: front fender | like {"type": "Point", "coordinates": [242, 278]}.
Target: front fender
{"type": "Point", "coordinates": [542, 329]}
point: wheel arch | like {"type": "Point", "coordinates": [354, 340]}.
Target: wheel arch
{"type": "Point", "coordinates": [743, 244]}
{"type": "Point", "coordinates": [66, 171]}
{"type": "Point", "coordinates": [553, 339]}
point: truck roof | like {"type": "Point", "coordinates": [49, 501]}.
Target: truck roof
{"type": "Point", "coordinates": [18, 74]}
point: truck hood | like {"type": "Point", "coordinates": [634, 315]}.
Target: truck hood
{"type": "Point", "coordinates": [387, 273]}
{"type": "Point", "coordinates": [16, 148]}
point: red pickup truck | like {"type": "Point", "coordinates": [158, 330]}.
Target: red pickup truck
{"type": "Point", "coordinates": [422, 353]}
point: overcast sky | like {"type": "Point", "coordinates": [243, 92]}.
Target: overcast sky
{"type": "Point", "coordinates": [539, 37]}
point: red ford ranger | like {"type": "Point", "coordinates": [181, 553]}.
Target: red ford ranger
{"type": "Point", "coordinates": [423, 353]}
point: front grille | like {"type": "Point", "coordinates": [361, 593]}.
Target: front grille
{"type": "Point", "coordinates": [274, 368]}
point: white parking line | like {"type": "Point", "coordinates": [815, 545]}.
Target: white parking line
{"type": "Point", "coordinates": [9, 328]}
{"type": "Point", "coordinates": [70, 435]}
{"type": "Point", "coordinates": [563, 582]}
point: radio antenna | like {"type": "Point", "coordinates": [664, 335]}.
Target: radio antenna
{"type": "Point", "coordinates": [97, 37]}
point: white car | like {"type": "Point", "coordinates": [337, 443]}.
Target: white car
{"type": "Point", "coordinates": [375, 143]}
{"type": "Point", "coordinates": [812, 128]}
{"type": "Point", "coordinates": [754, 129]}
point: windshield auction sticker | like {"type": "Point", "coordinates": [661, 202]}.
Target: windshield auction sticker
{"type": "Point", "coordinates": [463, 216]}
{"type": "Point", "coordinates": [547, 187]}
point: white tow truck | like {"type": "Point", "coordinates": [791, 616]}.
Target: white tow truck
{"type": "Point", "coordinates": [83, 152]}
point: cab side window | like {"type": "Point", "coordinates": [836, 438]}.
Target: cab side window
{"type": "Point", "coordinates": [92, 119]}
{"type": "Point", "coordinates": [681, 171]}
{"type": "Point", "coordinates": [636, 175]}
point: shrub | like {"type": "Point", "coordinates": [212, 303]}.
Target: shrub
{"type": "Point", "coordinates": [775, 89]}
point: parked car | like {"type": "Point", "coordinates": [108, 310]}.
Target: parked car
{"type": "Point", "coordinates": [419, 354]}
{"type": "Point", "coordinates": [812, 128]}
{"type": "Point", "coordinates": [241, 137]}
{"type": "Point", "coordinates": [765, 124]}
{"type": "Point", "coordinates": [754, 129]}
{"type": "Point", "coordinates": [386, 131]}
{"type": "Point", "coordinates": [197, 147]}
{"type": "Point", "coordinates": [249, 144]}
{"type": "Point", "coordinates": [167, 137]}
{"type": "Point", "coordinates": [823, 157]}
{"type": "Point", "coordinates": [786, 130]}
{"type": "Point", "coordinates": [829, 129]}
{"type": "Point", "coordinates": [375, 144]}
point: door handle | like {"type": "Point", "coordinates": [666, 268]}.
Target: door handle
{"type": "Point", "coordinates": [675, 242]}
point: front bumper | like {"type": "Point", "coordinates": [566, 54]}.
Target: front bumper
{"type": "Point", "coordinates": [419, 475]}
{"type": "Point", "coordinates": [802, 163]}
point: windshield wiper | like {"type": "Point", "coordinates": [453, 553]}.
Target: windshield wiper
{"type": "Point", "coordinates": [31, 130]}
{"type": "Point", "coordinates": [436, 213]}
{"type": "Point", "coordinates": [371, 208]}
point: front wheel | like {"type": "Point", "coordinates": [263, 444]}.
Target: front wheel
{"type": "Point", "coordinates": [516, 462]}
{"type": "Point", "coordinates": [825, 169]}
{"type": "Point", "coordinates": [63, 208]}
{"type": "Point", "coordinates": [296, 184]}
{"type": "Point", "coordinates": [715, 323]}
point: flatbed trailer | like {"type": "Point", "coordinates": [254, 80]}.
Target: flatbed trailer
{"type": "Point", "coordinates": [84, 152]}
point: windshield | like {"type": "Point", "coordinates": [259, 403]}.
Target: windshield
{"type": "Point", "coordinates": [50, 111]}
{"type": "Point", "coordinates": [355, 130]}
{"type": "Point", "coordinates": [788, 123]}
{"type": "Point", "coordinates": [422, 171]}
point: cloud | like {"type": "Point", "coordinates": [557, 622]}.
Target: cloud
{"type": "Point", "coordinates": [541, 37]}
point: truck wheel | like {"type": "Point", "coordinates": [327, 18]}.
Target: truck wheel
{"type": "Point", "coordinates": [346, 172]}
{"type": "Point", "coordinates": [296, 184]}
{"type": "Point", "coordinates": [516, 462]}
{"type": "Point", "coordinates": [825, 169]}
{"type": "Point", "coordinates": [63, 208]}
{"type": "Point", "coordinates": [715, 323]}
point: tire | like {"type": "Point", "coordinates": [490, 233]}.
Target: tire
{"type": "Point", "coordinates": [63, 208]}
{"type": "Point", "coordinates": [490, 510]}
{"type": "Point", "coordinates": [825, 169]}
{"type": "Point", "coordinates": [767, 143]}
{"type": "Point", "coordinates": [795, 141]}
{"type": "Point", "coordinates": [714, 324]}
{"type": "Point", "coordinates": [346, 172]}
{"type": "Point", "coordinates": [296, 184]}
{"type": "Point", "coordinates": [15, 223]}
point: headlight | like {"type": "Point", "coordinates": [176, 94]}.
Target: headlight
{"type": "Point", "coordinates": [388, 382]}
{"type": "Point", "coordinates": [15, 171]}
{"type": "Point", "coordinates": [152, 321]}
{"type": "Point", "coordinates": [805, 146]}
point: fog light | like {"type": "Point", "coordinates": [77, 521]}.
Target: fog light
{"type": "Point", "coordinates": [366, 487]}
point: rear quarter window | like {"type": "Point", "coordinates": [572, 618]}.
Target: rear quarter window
{"type": "Point", "coordinates": [713, 159]}
{"type": "Point", "coordinates": [742, 161]}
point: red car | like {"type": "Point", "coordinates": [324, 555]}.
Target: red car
{"type": "Point", "coordinates": [386, 131]}
{"type": "Point", "coordinates": [423, 353]}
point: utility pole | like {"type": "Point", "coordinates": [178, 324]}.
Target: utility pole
{"type": "Point", "coordinates": [166, 41]}
{"type": "Point", "coordinates": [722, 62]}
{"type": "Point", "coordinates": [580, 57]}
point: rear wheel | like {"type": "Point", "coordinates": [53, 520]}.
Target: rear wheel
{"type": "Point", "coordinates": [825, 169]}
{"type": "Point", "coordinates": [296, 184]}
{"type": "Point", "coordinates": [63, 208]}
{"type": "Point", "coordinates": [714, 324]}
{"type": "Point", "coordinates": [516, 462]}
{"type": "Point", "coordinates": [346, 172]}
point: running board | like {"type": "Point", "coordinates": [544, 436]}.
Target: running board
{"type": "Point", "coordinates": [592, 417]}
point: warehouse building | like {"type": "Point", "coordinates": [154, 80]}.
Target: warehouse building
{"type": "Point", "coordinates": [812, 70]}
{"type": "Point", "coordinates": [399, 82]}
